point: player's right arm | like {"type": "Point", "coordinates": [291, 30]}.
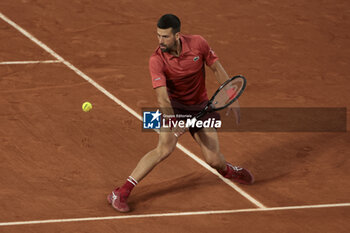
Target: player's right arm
{"type": "Point", "coordinates": [156, 68]}
{"type": "Point", "coordinates": [164, 101]}
{"type": "Point", "coordinates": [166, 108]}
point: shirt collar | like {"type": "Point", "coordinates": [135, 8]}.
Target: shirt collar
{"type": "Point", "coordinates": [184, 48]}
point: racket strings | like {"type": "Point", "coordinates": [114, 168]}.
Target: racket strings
{"type": "Point", "coordinates": [228, 93]}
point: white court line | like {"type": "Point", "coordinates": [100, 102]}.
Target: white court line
{"type": "Point", "coordinates": [227, 181]}
{"type": "Point", "coordinates": [127, 108]}
{"type": "Point", "coordinates": [193, 213]}
{"type": "Point", "coordinates": [27, 62]}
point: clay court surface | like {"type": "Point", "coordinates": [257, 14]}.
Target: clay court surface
{"type": "Point", "coordinates": [57, 163]}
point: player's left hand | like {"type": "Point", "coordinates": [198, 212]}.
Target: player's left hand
{"type": "Point", "coordinates": [236, 110]}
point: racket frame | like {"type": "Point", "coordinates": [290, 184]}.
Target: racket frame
{"type": "Point", "coordinates": [208, 108]}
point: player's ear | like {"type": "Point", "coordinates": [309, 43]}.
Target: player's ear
{"type": "Point", "coordinates": [177, 35]}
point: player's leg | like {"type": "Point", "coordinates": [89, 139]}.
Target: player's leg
{"type": "Point", "coordinates": [166, 145]}
{"type": "Point", "coordinates": [209, 143]}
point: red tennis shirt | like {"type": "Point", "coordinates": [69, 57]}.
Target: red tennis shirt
{"type": "Point", "coordinates": [184, 76]}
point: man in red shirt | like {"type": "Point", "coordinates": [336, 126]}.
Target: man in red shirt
{"type": "Point", "coordinates": [177, 70]}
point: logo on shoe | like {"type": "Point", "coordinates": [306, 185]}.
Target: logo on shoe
{"type": "Point", "coordinates": [114, 197]}
{"type": "Point", "coordinates": [151, 120]}
{"type": "Point", "coordinates": [236, 168]}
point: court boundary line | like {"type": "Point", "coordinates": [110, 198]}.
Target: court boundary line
{"type": "Point", "coordinates": [178, 214]}
{"type": "Point", "coordinates": [28, 62]}
{"type": "Point", "coordinates": [127, 108]}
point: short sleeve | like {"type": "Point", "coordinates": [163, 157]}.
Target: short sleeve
{"type": "Point", "coordinates": [209, 55]}
{"type": "Point", "coordinates": [156, 71]}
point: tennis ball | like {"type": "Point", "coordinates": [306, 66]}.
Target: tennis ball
{"type": "Point", "coordinates": [87, 106]}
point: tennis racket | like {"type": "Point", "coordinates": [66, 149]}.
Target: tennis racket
{"type": "Point", "coordinates": [225, 95]}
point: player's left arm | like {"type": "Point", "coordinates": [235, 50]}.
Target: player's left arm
{"type": "Point", "coordinates": [222, 76]}
{"type": "Point", "coordinates": [212, 61]}
{"type": "Point", "coordinates": [219, 72]}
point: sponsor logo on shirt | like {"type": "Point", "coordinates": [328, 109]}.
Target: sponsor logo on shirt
{"type": "Point", "coordinates": [196, 58]}
{"type": "Point", "coordinates": [156, 79]}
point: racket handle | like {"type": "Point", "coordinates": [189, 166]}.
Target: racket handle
{"type": "Point", "coordinates": [194, 119]}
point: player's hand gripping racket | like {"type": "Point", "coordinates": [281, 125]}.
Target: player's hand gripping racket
{"type": "Point", "coordinates": [225, 95]}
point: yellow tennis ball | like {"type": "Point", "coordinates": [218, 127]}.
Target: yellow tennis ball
{"type": "Point", "coordinates": [87, 106]}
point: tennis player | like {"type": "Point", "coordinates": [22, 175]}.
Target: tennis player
{"type": "Point", "coordinates": [177, 69]}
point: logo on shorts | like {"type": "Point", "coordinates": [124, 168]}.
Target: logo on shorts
{"type": "Point", "coordinates": [196, 58]}
{"type": "Point", "coordinates": [151, 120]}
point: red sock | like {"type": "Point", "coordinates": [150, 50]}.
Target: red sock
{"type": "Point", "coordinates": [128, 186]}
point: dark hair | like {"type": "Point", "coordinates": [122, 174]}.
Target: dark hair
{"type": "Point", "coordinates": [169, 21]}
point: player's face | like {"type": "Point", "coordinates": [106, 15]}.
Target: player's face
{"type": "Point", "coordinates": [166, 39]}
